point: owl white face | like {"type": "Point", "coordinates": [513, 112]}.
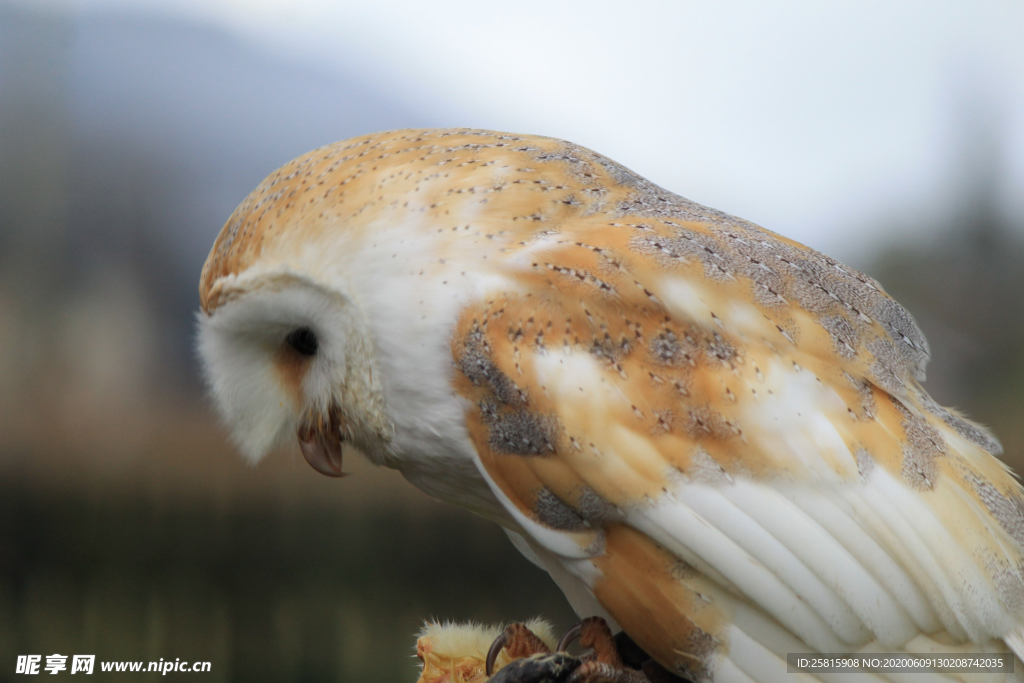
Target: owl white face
{"type": "Point", "coordinates": [275, 358]}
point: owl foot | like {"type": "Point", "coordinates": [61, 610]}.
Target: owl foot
{"type": "Point", "coordinates": [518, 641]}
{"type": "Point", "coordinates": [533, 660]}
{"type": "Point", "coordinates": [609, 659]}
{"type": "Point", "coordinates": [614, 659]}
{"type": "Point", "coordinates": [604, 664]}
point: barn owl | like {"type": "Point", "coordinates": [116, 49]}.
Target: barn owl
{"type": "Point", "coordinates": [709, 435]}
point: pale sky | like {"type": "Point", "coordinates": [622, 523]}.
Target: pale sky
{"type": "Point", "coordinates": [811, 118]}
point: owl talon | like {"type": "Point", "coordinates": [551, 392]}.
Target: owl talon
{"type": "Point", "coordinates": [519, 641]}
{"type": "Point", "coordinates": [492, 654]}
{"type": "Point", "coordinates": [605, 665]}
{"type": "Point", "coordinates": [594, 633]}
{"type": "Point", "coordinates": [570, 635]}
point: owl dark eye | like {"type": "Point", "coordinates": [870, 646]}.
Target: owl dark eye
{"type": "Point", "coordinates": [303, 340]}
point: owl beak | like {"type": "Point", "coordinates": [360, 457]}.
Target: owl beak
{"type": "Point", "coordinates": [320, 442]}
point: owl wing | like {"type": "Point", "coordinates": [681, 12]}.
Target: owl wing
{"type": "Point", "coordinates": [731, 451]}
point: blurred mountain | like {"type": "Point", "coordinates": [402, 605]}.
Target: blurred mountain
{"type": "Point", "coordinates": [127, 526]}
{"type": "Point", "coordinates": [125, 143]}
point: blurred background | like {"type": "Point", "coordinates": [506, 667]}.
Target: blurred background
{"type": "Point", "coordinates": [889, 135]}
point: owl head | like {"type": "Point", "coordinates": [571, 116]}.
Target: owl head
{"type": "Point", "coordinates": [330, 296]}
{"type": "Point", "coordinates": [284, 347]}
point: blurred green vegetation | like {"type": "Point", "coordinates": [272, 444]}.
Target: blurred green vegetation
{"type": "Point", "coordinates": [320, 593]}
